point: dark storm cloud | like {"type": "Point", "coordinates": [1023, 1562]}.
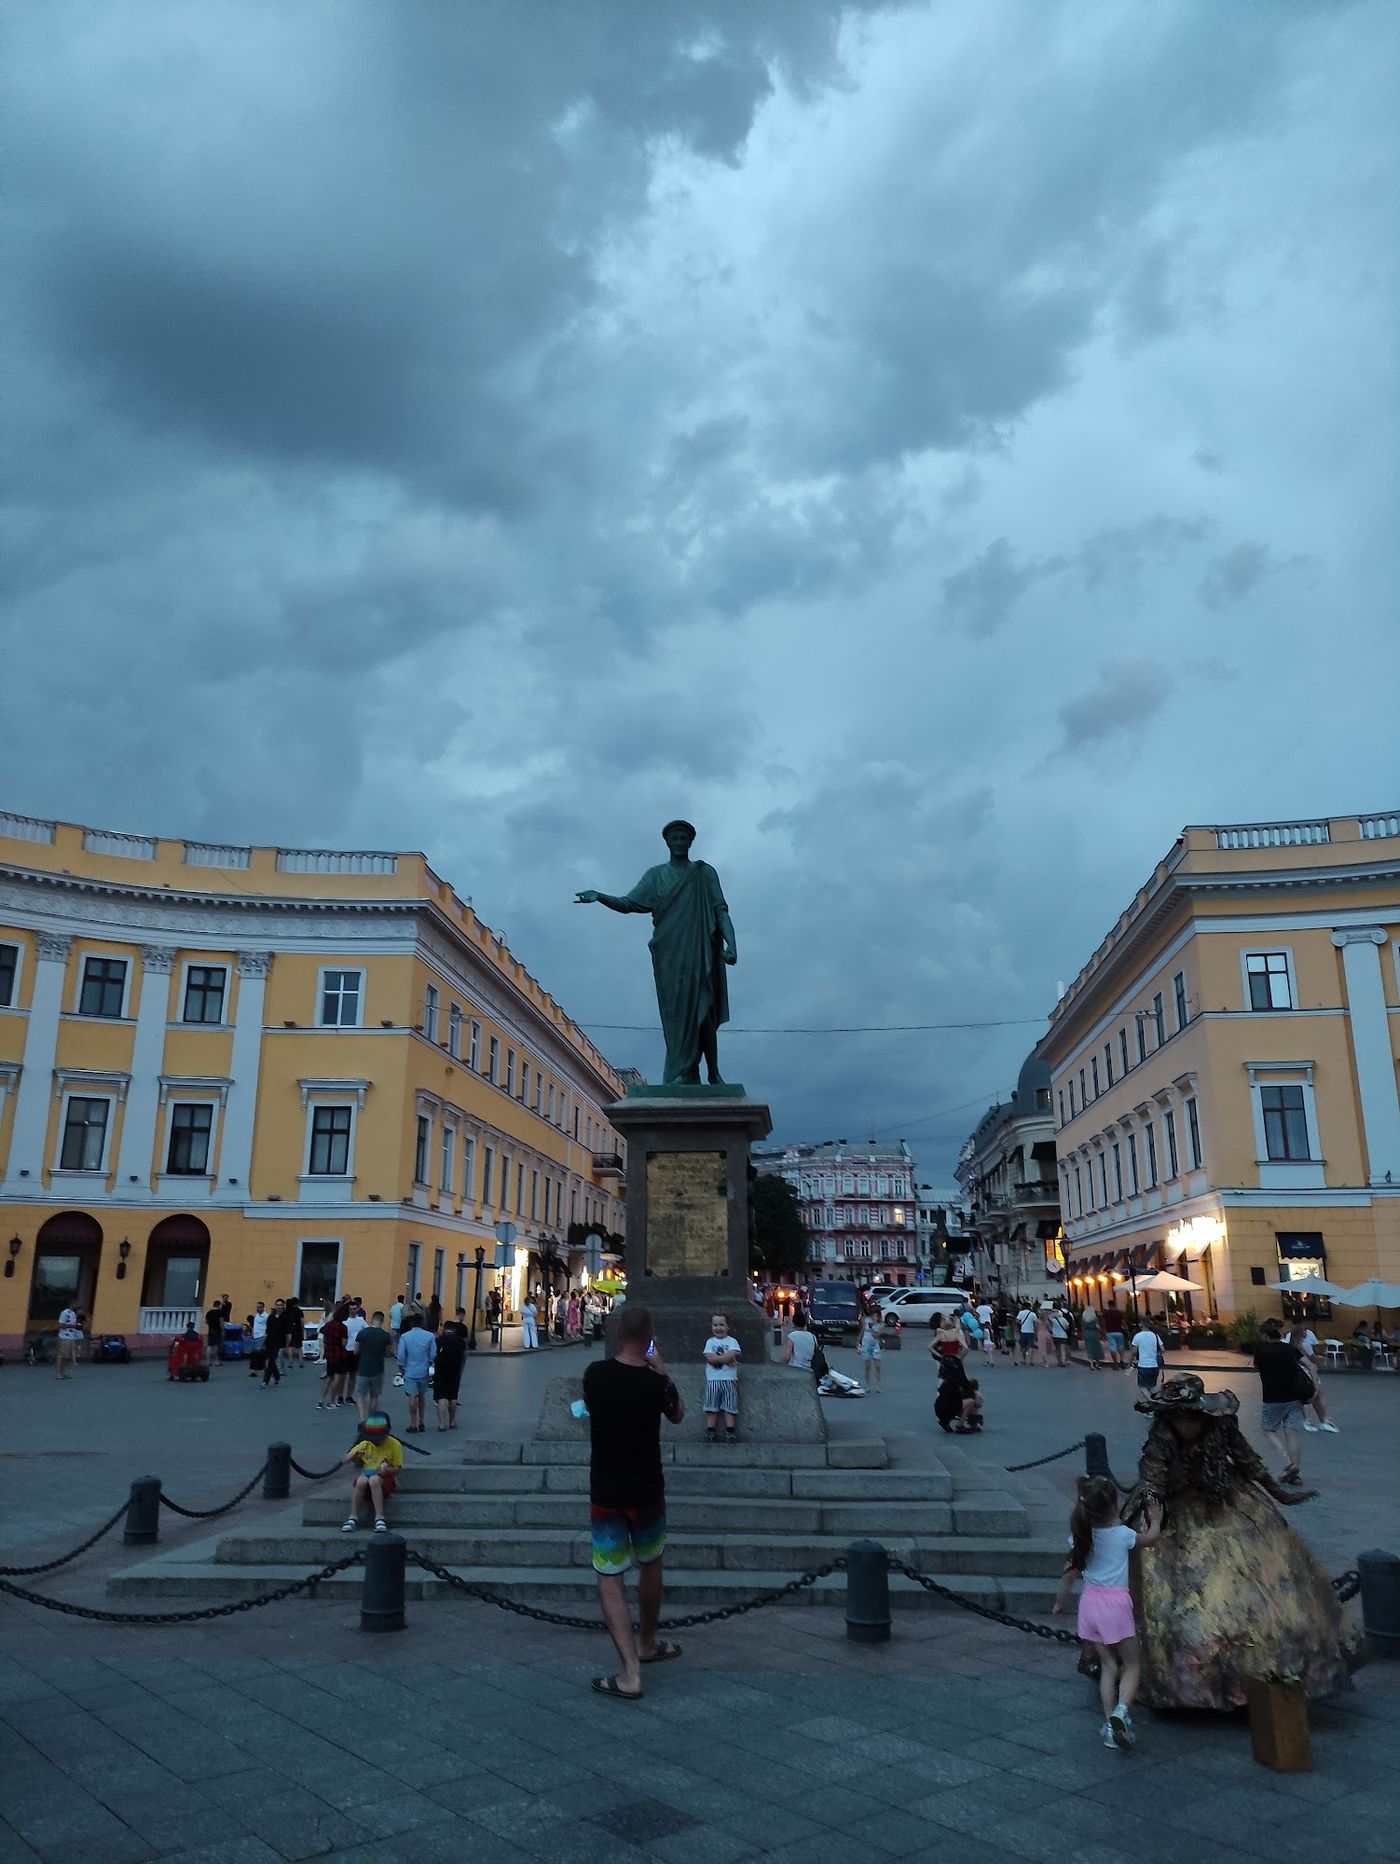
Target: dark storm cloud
{"type": "Point", "coordinates": [497, 427]}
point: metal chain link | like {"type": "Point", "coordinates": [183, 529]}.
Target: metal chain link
{"type": "Point", "coordinates": [1347, 1585]}
{"type": "Point", "coordinates": [313, 1475]}
{"type": "Point", "coordinates": [575, 1623]}
{"type": "Point", "coordinates": [308, 1584]}
{"type": "Point", "coordinates": [47, 1566]}
{"type": "Point", "coordinates": [208, 1514]}
{"type": "Point", "coordinates": [1054, 1457]}
{"type": "Point", "coordinates": [1052, 1632]}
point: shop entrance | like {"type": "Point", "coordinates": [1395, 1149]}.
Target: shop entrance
{"type": "Point", "coordinates": [173, 1280]}
{"type": "Point", "coordinates": [67, 1255]}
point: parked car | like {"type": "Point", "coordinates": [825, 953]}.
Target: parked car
{"type": "Point", "coordinates": [921, 1307]}
{"type": "Point", "coordinates": [833, 1310]}
{"type": "Point", "coordinates": [111, 1349]}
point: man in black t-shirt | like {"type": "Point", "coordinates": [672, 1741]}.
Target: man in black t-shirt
{"type": "Point", "coordinates": [627, 1398]}
{"type": "Point", "coordinates": [1281, 1406]}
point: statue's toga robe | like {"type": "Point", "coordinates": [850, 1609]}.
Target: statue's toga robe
{"type": "Point", "coordinates": [687, 960]}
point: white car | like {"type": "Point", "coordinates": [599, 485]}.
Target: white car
{"type": "Point", "coordinates": [921, 1307]}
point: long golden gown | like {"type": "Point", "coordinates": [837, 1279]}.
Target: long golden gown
{"type": "Point", "coordinates": [1229, 1593]}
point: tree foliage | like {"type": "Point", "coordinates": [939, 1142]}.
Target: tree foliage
{"type": "Point", "coordinates": [779, 1236]}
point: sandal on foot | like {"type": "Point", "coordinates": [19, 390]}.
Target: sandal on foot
{"type": "Point", "coordinates": [663, 1653]}
{"type": "Point", "coordinates": [381, 1526]}
{"type": "Point", "coordinates": [349, 1525]}
{"type": "Point", "coordinates": [608, 1686]}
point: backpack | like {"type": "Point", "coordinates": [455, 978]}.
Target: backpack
{"type": "Point", "coordinates": [820, 1366]}
{"type": "Point", "coordinates": [1304, 1385]}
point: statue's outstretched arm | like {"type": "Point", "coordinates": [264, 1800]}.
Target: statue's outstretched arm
{"type": "Point", "coordinates": [615, 904]}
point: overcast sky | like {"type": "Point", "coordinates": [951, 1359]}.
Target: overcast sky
{"type": "Point", "coordinates": [939, 448]}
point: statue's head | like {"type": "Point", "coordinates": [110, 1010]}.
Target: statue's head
{"type": "Point", "coordinates": [678, 836]}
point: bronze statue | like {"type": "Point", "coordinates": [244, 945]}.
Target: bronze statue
{"type": "Point", "coordinates": [692, 941]}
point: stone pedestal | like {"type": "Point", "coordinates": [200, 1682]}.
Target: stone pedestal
{"type": "Point", "coordinates": [688, 1214]}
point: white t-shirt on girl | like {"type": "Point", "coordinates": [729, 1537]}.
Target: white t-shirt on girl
{"type": "Point", "coordinates": [1107, 1564]}
{"type": "Point", "coordinates": [726, 1344]}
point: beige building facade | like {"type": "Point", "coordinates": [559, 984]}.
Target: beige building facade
{"type": "Point", "coordinates": [274, 1071]}
{"type": "Point", "coordinates": [1224, 1069]}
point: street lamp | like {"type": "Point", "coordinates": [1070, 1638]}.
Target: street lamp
{"type": "Point", "coordinates": [15, 1246]}
{"type": "Point", "coordinates": [476, 1298]}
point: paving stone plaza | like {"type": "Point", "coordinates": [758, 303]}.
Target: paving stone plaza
{"type": "Point", "coordinates": [287, 1732]}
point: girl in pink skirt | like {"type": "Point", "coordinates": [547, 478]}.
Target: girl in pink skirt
{"type": "Point", "coordinates": [1099, 1549]}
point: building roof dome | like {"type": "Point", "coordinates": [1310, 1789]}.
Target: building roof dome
{"type": "Point", "coordinates": [1033, 1080]}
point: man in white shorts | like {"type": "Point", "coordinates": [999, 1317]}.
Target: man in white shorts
{"type": "Point", "coordinates": [70, 1338]}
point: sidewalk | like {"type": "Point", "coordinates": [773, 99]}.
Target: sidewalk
{"type": "Point", "coordinates": [510, 1342]}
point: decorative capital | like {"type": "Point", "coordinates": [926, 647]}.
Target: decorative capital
{"type": "Point", "coordinates": [55, 946]}
{"type": "Point", "coordinates": [1359, 935]}
{"type": "Point", "coordinates": [158, 957]}
{"type": "Point", "coordinates": [254, 963]}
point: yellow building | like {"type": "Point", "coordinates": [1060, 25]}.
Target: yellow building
{"type": "Point", "coordinates": [1223, 1069]}
{"type": "Point", "coordinates": [267, 1071]}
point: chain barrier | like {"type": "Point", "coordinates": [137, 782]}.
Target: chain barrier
{"type": "Point", "coordinates": [1347, 1585]}
{"type": "Point", "coordinates": [208, 1514]}
{"type": "Point", "coordinates": [314, 1475]}
{"type": "Point", "coordinates": [48, 1566]}
{"type": "Point", "coordinates": [1053, 1632]}
{"type": "Point", "coordinates": [1054, 1457]}
{"type": "Point", "coordinates": [575, 1623]}
{"type": "Point", "coordinates": [308, 1584]}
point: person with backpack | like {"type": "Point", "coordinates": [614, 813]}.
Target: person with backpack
{"type": "Point", "coordinates": [1284, 1388]}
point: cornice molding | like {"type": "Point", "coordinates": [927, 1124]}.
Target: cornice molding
{"type": "Point", "coordinates": [67, 897]}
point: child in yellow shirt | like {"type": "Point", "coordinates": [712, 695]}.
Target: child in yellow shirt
{"type": "Point", "coordinates": [378, 1456]}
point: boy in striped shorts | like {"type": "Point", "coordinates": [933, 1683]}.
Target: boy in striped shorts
{"type": "Point", "coordinates": [722, 1354]}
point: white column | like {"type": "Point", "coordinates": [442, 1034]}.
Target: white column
{"type": "Point", "coordinates": [236, 1144]}
{"type": "Point", "coordinates": [32, 1101]}
{"type": "Point", "coordinates": [147, 1055]}
{"type": "Point", "coordinates": [1370, 1043]}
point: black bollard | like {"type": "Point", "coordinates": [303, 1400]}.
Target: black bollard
{"type": "Point", "coordinates": [277, 1474]}
{"type": "Point", "coordinates": [381, 1601]}
{"type": "Point", "coordinates": [867, 1592]}
{"type": "Point", "coordinates": [1380, 1600]}
{"type": "Point", "coordinates": [1095, 1455]}
{"type": "Point", "coordinates": [143, 1513]}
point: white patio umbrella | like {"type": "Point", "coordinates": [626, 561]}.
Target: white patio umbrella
{"type": "Point", "coordinates": [1164, 1282]}
{"type": "Point", "coordinates": [1373, 1293]}
{"type": "Point", "coordinates": [1310, 1284]}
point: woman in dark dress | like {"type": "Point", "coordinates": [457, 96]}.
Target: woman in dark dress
{"type": "Point", "coordinates": [447, 1373]}
{"type": "Point", "coordinates": [1229, 1594]}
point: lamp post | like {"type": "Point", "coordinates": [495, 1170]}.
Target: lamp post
{"type": "Point", "coordinates": [15, 1246]}
{"type": "Point", "coordinates": [476, 1298]}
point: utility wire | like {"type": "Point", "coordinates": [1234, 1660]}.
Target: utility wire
{"type": "Point", "coordinates": [854, 1029]}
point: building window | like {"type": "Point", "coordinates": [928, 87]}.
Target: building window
{"type": "Point", "coordinates": [439, 1273]}
{"type": "Point", "coordinates": [1270, 987]}
{"type": "Point", "coordinates": [1285, 1123]}
{"type": "Point", "coordinates": [1094, 1076]}
{"type": "Point", "coordinates": [1193, 1135]}
{"type": "Point", "coordinates": [1150, 1135]}
{"type": "Point", "coordinates": [469, 1170]}
{"type": "Point", "coordinates": [510, 1071]}
{"type": "Point", "coordinates": [9, 968]}
{"type": "Point", "coordinates": [340, 999]}
{"type": "Point", "coordinates": [549, 1103]}
{"type": "Point", "coordinates": [330, 1142]}
{"type": "Point", "coordinates": [1179, 996]}
{"type": "Point", "coordinates": [1169, 1126]}
{"type": "Point", "coordinates": [1078, 1192]}
{"type": "Point", "coordinates": [1108, 1062]}
{"type": "Point", "coordinates": [1117, 1175]}
{"type": "Point", "coordinates": [1159, 1018]}
{"type": "Point", "coordinates": [848, 1184]}
{"type": "Point", "coordinates": [454, 1031]}
{"type": "Point", "coordinates": [84, 1134]}
{"type": "Point", "coordinates": [1071, 1100]}
{"type": "Point", "coordinates": [1123, 1049]}
{"type": "Point", "coordinates": [1062, 1106]}
{"type": "Point", "coordinates": [493, 1059]}
{"type": "Point", "coordinates": [539, 1092]}
{"type": "Point", "coordinates": [1103, 1178]}
{"type": "Point", "coordinates": [104, 986]}
{"type": "Point", "coordinates": [318, 1275]}
{"type": "Point", "coordinates": [520, 1190]}
{"type": "Point", "coordinates": [1141, 1020]}
{"type": "Point", "coordinates": [503, 1200]}
{"type": "Point", "coordinates": [431, 1000]}
{"type": "Point", "coordinates": [534, 1197]}
{"type": "Point", "coordinates": [1083, 1094]}
{"type": "Point", "coordinates": [191, 1127]}
{"type": "Point", "coordinates": [205, 985]}
{"type": "Point", "coordinates": [488, 1165]}
{"type": "Point", "coordinates": [524, 1083]}
{"type": "Point", "coordinates": [415, 1269]}
{"type": "Point", "coordinates": [474, 1048]}
{"type": "Point", "coordinates": [1132, 1163]}
{"type": "Point", "coordinates": [447, 1152]}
